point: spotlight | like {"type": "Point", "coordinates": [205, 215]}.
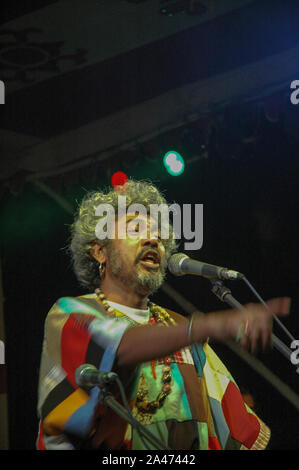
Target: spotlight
{"type": "Point", "coordinates": [174, 163]}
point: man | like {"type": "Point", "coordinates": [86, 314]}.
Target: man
{"type": "Point", "coordinates": [176, 385]}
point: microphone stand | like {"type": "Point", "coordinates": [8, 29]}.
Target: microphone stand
{"type": "Point", "coordinates": [108, 399]}
{"type": "Point", "coordinates": [224, 294]}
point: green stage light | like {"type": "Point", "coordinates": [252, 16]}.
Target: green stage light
{"type": "Point", "coordinates": [174, 163]}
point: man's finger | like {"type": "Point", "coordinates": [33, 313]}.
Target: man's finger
{"type": "Point", "coordinates": [253, 338]}
{"type": "Point", "coordinates": [266, 336]}
{"type": "Point", "coordinates": [279, 305]}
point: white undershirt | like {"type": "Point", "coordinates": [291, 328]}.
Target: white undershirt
{"type": "Point", "coordinates": [136, 314]}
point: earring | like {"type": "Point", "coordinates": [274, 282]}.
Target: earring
{"type": "Point", "coordinates": [101, 269]}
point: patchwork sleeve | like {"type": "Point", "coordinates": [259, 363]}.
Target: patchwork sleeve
{"type": "Point", "coordinates": [262, 436]}
{"type": "Point", "coordinates": [76, 333]}
{"type": "Point", "coordinates": [236, 426]}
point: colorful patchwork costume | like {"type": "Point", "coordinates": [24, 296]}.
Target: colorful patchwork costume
{"type": "Point", "coordinates": [204, 411]}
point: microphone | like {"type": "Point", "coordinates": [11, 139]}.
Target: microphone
{"type": "Point", "coordinates": [88, 375]}
{"type": "Point", "coordinates": [180, 264]}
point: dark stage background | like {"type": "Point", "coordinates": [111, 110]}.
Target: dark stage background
{"type": "Point", "coordinates": [241, 164]}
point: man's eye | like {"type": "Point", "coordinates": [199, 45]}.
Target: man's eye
{"type": "Point", "coordinates": [133, 229]}
{"type": "Point", "coordinates": [136, 228]}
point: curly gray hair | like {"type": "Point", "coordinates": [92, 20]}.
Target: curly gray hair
{"type": "Point", "coordinates": [83, 229]}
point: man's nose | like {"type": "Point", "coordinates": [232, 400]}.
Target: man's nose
{"type": "Point", "coordinates": [154, 242]}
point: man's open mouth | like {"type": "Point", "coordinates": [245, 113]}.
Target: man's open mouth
{"type": "Point", "coordinates": [150, 259]}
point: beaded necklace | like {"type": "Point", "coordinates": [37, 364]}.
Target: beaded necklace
{"type": "Point", "coordinates": [158, 316]}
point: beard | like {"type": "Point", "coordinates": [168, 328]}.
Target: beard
{"type": "Point", "coordinates": [136, 278]}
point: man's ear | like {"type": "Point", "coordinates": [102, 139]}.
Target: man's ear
{"type": "Point", "coordinates": [98, 252]}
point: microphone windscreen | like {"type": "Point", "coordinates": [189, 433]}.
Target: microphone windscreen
{"type": "Point", "coordinates": [174, 264]}
{"type": "Point", "coordinates": [79, 378]}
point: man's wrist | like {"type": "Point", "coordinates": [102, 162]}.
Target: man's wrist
{"type": "Point", "coordinates": [198, 330]}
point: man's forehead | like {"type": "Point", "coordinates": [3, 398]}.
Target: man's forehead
{"type": "Point", "coordinates": [138, 217]}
